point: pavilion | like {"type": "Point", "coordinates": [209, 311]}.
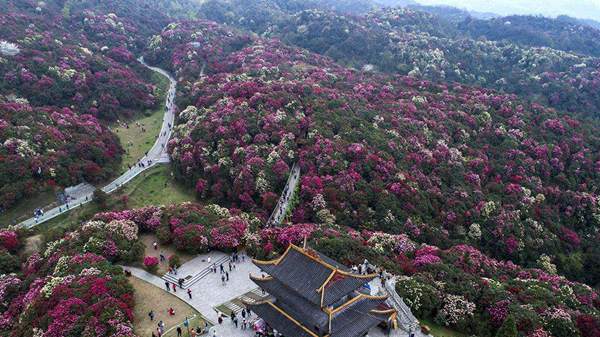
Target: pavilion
{"type": "Point", "coordinates": [313, 296]}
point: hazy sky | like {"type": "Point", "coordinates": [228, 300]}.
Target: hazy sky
{"type": "Point", "coordinates": [577, 8]}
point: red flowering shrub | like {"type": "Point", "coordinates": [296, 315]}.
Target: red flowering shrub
{"type": "Point", "coordinates": [151, 263]}
{"type": "Point", "coordinates": [228, 234]}
{"type": "Point", "coordinates": [9, 240]}
{"type": "Point", "coordinates": [190, 238]}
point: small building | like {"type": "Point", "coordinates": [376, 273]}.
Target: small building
{"type": "Point", "coordinates": [313, 296]}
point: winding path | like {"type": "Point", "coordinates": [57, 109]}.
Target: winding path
{"type": "Point", "coordinates": [83, 193]}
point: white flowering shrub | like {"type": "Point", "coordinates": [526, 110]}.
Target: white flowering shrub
{"type": "Point", "coordinates": [8, 48]}
{"type": "Point", "coordinates": [455, 310]}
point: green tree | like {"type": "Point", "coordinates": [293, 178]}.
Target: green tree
{"type": "Point", "coordinates": [508, 328]}
{"type": "Point", "coordinates": [8, 263]}
{"type": "Point", "coordinates": [100, 198]}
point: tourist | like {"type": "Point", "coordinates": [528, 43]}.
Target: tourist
{"type": "Point", "coordinates": [179, 331]}
{"type": "Point", "coordinates": [162, 257]}
{"type": "Point", "coordinates": [235, 322]}
{"type": "Point", "coordinates": [174, 288]}
{"type": "Point", "coordinates": [180, 281]}
{"type": "Point", "coordinates": [189, 291]}
{"type": "Point", "coordinates": [153, 334]}
{"type": "Point", "coordinates": [220, 319]}
{"type": "Point", "coordinates": [227, 276]}
{"type": "Point", "coordinates": [244, 324]}
{"type": "Point", "coordinates": [232, 316]}
{"type": "Point", "coordinates": [229, 265]}
{"type": "Point", "coordinates": [171, 311]}
{"type": "Point", "coordinates": [151, 315]}
{"type": "Point", "coordinates": [243, 312]}
{"type": "Point", "coordinates": [167, 285]}
{"type": "Point", "coordinates": [155, 244]}
{"type": "Point", "coordinates": [221, 268]}
{"type": "Point", "coordinates": [223, 279]}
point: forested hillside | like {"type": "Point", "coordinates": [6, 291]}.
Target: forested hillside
{"type": "Point", "coordinates": [442, 164]}
{"type": "Point", "coordinates": [68, 67]}
{"type": "Point", "coordinates": [460, 154]}
{"type": "Point", "coordinates": [537, 32]}
{"type": "Point", "coordinates": [422, 45]}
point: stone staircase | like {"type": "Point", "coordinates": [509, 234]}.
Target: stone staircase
{"type": "Point", "coordinates": [236, 305]}
{"type": "Point", "coordinates": [190, 280]}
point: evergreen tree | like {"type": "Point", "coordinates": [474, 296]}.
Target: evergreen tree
{"type": "Point", "coordinates": [508, 328]}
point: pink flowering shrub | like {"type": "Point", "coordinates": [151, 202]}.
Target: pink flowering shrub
{"type": "Point", "coordinates": [191, 238]}
{"type": "Point", "coordinates": [228, 235]}
{"type": "Point", "coordinates": [9, 240]}
{"type": "Point", "coordinates": [66, 293]}
{"type": "Point", "coordinates": [151, 263]}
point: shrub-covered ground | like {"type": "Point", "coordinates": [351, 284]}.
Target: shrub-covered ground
{"type": "Point", "coordinates": [543, 60]}
{"type": "Point", "coordinates": [72, 289]}
{"type": "Point", "coordinates": [446, 164]}
{"type": "Point", "coordinates": [65, 68]}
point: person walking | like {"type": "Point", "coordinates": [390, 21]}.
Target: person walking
{"type": "Point", "coordinates": [221, 268]}
{"type": "Point", "coordinates": [174, 288]}
{"type": "Point", "coordinates": [220, 319]}
{"type": "Point", "coordinates": [243, 312]}
{"type": "Point", "coordinates": [189, 291]}
{"type": "Point", "coordinates": [179, 331]}
{"type": "Point", "coordinates": [223, 279]}
{"type": "Point", "coordinates": [235, 322]}
{"type": "Point", "coordinates": [227, 276]}
{"type": "Point", "coordinates": [167, 285]}
{"type": "Point", "coordinates": [155, 245]}
{"type": "Point", "coordinates": [244, 324]}
{"type": "Point", "coordinates": [151, 315]}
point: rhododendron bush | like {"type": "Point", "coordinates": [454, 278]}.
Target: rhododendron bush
{"type": "Point", "coordinates": [84, 60]}
{"type": "Point", "coordinates": [71, 288]}
{"type": "Point", "coordinates": [45, 147]}
{"type": "Point", "coordinates": [63, 66]}
{"type": "Point", "coordinates": [442, 163]}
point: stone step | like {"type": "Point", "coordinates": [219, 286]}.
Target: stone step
{"type": "Point", "coordinates": [190, 281]}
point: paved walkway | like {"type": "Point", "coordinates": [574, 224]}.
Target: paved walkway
{"type": "Point", "coordinates": [209, 291]}
{"type": "Point", "coordinates": [286, 197]}
{"type": "Point", "coordinates": [157, 154]}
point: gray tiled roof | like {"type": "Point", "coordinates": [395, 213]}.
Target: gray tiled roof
{"type": "Point", "coordinates": [298, 307]}
{"type": "Point", "coordinates": [358, 314]}
{"type": "Point", "coordinates": [305, 276]}
{"type": "Point", "coordinates": [280, 322]}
